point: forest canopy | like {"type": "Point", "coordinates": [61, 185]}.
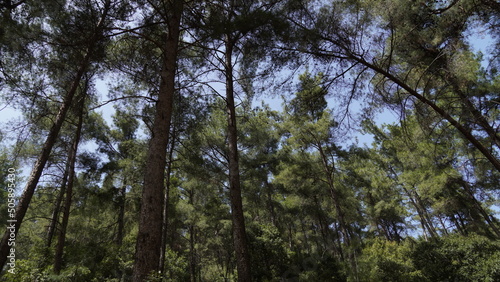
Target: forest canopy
{"type": "Point", "coordinates": [146, 148]}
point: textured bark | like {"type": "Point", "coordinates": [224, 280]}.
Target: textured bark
{"type": "Point", "coordinates": [58, 259]}
{"type": "Point", "coordinates": [239, 232]}
{"type": "Point", "coordinates": [148, 245]}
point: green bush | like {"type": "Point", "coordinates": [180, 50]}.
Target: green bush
{"type": "Point", "coordinates": [459, 258]}
{"type": "Point", "coordinates": [383, 260]}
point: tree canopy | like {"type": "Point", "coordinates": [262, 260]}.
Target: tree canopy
{"type": "Point", "coordinates": [193, 176]}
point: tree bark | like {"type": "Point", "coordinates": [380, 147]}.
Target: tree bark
{"type": "Point", "coordinates": [58, 259]}
{"type": "Point", "coordinates": [57, 207]}
{"type": "Point", "coordinates": [166, 200]}
{"type": "Point", "coordinates": [121, 213]}
{"type": "Point", "coordinates": [148, 245]}
{"type": "Point", "coordinates": [238, 219]}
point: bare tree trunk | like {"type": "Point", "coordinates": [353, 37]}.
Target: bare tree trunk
{"type": "Point", "coordinates": [148, 245]}
{"type": "Point", "coordinates": [121, 213]}
{"type": "Point", "coordinates": [57, 207]}
{"type": "Point", "coordinates": [239, 232]}
{"type": "Point", "coordinates": [58, 259]}
{"type": "Point", "coordinates": [422, 212]}
{"type": "Point", "coordinates": [166, 201]}
{"type": "Point", "coordinates": [270, 203]}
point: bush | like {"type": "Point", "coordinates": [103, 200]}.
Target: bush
{"type": "Point", "coordinates": [459, 258]}
{"type": "Point", "coordinates": [383, 260]}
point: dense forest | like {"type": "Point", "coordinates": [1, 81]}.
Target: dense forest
{"type": "Point", "coordinates": [191, 140]}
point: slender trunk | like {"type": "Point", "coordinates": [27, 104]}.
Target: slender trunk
{"type": "Point", "coordinates": [55, 213]}
{"type": "Point", "coordinates": [121, 213]}
{"type": "Point", "coordinates": [39, 166]}
{"type": "Point", "coordinates": [239, 233]}
{"type": "Point", "coordinates": [322, 225]}
{"type": "Point", "coordinates": [148, 245]}
{"type": "Point", "coordinates": [422, 212]}
{"type": "Point", "coordinates": [457, 224]}
{"type": "Point", "coordinates": [270, 203]}
{"type": "Point", "coordinates": [37, 170]}
{"type": "Point", "coordinates": [121, 221]}
{"type": "Point", "coordinates": [304, 233]}
{"type": "Point", "coordinates": [479, 118]}
{"type": "Point", "coordinates": [477, 205]}
{"type": "Point", "coordinates": [329, 171]}
{"type": "Point", "coordinates": [425, 214]}
{"type": "Point", "coordinates": [192, 254]}
{"type": "Point", "coordinates": [465, 132]}
{"type": "Point", "coordinates": [166, 200]}
{"type": "Point", "coordinates": [69, 191]}
{"type": "Point", "coordinates": [445, 230]}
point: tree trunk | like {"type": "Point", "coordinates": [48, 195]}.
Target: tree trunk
{"type": "Point", "coordinates": [422, 212]}
{"type": "Point", "coordinates": [121, 213]}
{"type": "Point", "coordinates": [270, 203]}
{"type": "Point", "coordinates": [490, 220]}
{"type": "Point", "coordinates": [192, 253]}
{"type": "Point", "coordinates": [239, 232]}
{"type": "Point", "coordinates": [166, 201]}
{"type": "Point", "coordinates": [57, 207]}
{"type": "Point", "coordinates": [39, 166]}
{"type": "Point", "coordinates": [329, 171]}
{"type": "Point", "coordinates": [148, 245]}
{"type": "Point", "coordinates": [58, 259]}
{"type": "Point", "coordinates": [465, 132]}
{"type": "Point", "coordinates": [37, 170]}
{"type": "Point", "coordinates": [479, 118]}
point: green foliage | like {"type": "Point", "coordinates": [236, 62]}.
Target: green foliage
{"type": "Point", "coordinates": [383, 260]}
{"type": "Point", "coordinates": [268, 252]}
{"type": "Point", "coordinates": [176, 269]}
{"type": "Point", "coordinates": [449, 258]}
{"type": "Point", "coordinates": [452, 258]}
{"type": "Point", "coordinates": [309, 101]}
{"type": "Point", "coordinates": [315, 267]}
{"type": "Point", "coordinates": [418, 204]}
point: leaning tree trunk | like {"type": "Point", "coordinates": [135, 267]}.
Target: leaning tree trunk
{"type": "Point", "coordinates": [442, 112]}
{"type": "Point", "coordinates": [57, 207]}
{"type": "Point", "coordinates": [239, 232]}
{"type": "Point", "coordinates": [148, 245]}
{"type": "Point", "coordinates": [39, 166]}
{"type": "Point", "coordinates": [58, 258]}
